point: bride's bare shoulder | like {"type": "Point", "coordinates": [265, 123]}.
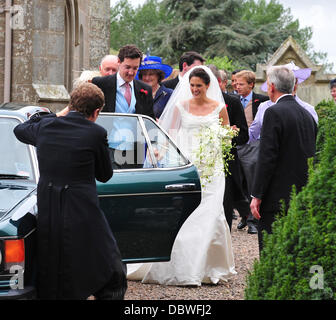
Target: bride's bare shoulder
{"type": "Point", "coordinates": [214, 103]}
{"type": "Point", "coordinates": [184, 103]}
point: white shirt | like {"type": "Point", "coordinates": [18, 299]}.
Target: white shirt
{"type": "Point", "coordinates": [286, 94]}
{"type": "Point", "coordinates": [121, 82]}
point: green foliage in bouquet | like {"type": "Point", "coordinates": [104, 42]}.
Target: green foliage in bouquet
{"type": "Point", "coordinates": [298, 259]}
{"type": "Point", "coordinates": [214, 146]}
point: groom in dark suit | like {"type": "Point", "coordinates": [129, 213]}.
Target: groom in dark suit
{"type": "Point", "coordinates": [123, 93]}
{"type": "Point", "coordinates": [233, 181]}
{"type": "Point", "coordinates": [187, 61]}
{"type": "Point", "coordinates": [288, 139]}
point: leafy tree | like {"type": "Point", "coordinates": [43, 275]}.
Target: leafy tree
{"type": "Point", "coordinates": [276, 17]}
{"type": "Point", "coordinates": [122, 15]}
{"type": "Point", "coordinates": [222, 63]}
{"type": "Point", "coordinates": [245, 31]}
{"type": "Point", "coordinates": [276, 24]}
{"type": "Point", "coordinates": [191, 27]}
{"type": "Point", "coordinates": [133, 25]}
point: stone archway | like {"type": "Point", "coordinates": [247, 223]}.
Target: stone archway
{"type": "Point", "coordinates": [314, 89]}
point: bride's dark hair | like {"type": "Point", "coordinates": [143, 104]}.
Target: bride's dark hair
{"type": "Point", "coordinates": [200, 73]}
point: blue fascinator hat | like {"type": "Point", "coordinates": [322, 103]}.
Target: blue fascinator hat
{"type": "Point", "coordinates": [155, 63]}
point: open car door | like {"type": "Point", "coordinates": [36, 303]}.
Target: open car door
{"type": "Point", "coordinates": [153, 190]}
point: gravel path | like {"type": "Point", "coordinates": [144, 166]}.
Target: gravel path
{"type": "Point", "coordinates": [245, 248]}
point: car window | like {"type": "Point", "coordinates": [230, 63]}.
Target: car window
{"type": "Point", "coordinates": [15, 157]}
{"type": "Point", "coordinates": [167, 155]}
{"type": "Point", "coordinates": [127, 143]}
{"type": "Point", "coordinates": [129, 148]}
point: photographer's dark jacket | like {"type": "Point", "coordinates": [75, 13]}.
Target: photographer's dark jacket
{"type": "Point", "coordinates": [77, 253]}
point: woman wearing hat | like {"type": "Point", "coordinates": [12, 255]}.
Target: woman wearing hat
{"type": "Point", "coordinates": [152, 72]}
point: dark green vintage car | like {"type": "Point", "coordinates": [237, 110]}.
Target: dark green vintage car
{"type": "Point", "coordinates": [153, 190]}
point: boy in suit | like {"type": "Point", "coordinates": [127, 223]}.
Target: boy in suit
{"type": "Point", "coordinates": [245, 82]}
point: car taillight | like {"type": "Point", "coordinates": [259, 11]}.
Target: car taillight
{"type": "Point", "coordinates": [14, 252]}
{"type": "Point", "coordinates": [13, 262]}
{"type": "Point", "coordinates": [1, 256]}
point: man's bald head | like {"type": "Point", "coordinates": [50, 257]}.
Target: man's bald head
{"type": "Point", "coordinates": [109, 65]}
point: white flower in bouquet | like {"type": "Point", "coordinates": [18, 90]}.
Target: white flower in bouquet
{"type": "Point", "coordinates": [213, 154]}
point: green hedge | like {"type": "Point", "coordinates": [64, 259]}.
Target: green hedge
{"type": "Point", "coordinates": [304, 240]}
{"type": "Point", "coordinates": [326, 111]}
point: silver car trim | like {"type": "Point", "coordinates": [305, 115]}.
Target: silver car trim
{"type": "Point", "coordinates": [146, 194]}
{"type": "Point", "coordinates": [181, 187]}
{"type": "Point", "coordinates": [17, 237]}
{"type": "Point", "coordinates": [161, 169]}
{"type": "Point", "coordinates": [149, 144]}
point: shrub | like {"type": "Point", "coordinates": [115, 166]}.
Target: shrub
{"type": "Point", "coordinates": [304, 240]}
{"type": "Point", "coordinates": [326, 111]}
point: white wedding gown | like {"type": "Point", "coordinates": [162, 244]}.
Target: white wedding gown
{"type": "Point", "coordinates": [202, 251]}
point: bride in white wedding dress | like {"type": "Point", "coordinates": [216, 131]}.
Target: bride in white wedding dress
{"type": "Point", "coordinates": [202, 251]}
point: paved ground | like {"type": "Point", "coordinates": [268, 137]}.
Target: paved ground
{"type": "Point", "coordinates": [245, 248]}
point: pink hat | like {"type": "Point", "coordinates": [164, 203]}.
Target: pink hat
{"type": "Point", "coordinates": [300, 74]}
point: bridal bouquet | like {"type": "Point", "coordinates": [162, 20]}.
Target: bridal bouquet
{"type": "Point", "coordinates": [214, 146]}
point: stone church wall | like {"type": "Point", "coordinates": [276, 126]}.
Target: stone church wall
{"type": "Point", "coordinates": [49, 50]}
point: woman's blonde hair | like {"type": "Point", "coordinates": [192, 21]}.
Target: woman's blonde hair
{"type": "Point", "coordinates": [85, 76]}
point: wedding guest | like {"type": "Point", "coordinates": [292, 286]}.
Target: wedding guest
{"type": "Point", "coordinates": [174, 74]}
{"type": "Point", "coordinates": [187, 61]}
{"type": "Point", "coordinates": [223, 80]}
{"type": "Point", "coordinates": [300, 76]}
{"type": "Point", "coordinates": [332, 85]}
{"type": "Point", "coordinates": [85, 76]}
{"type": "Point", "coordinates": [109, 65]}
{"type": "Point", "coordinates": [152, 71]}
{"type": "Point", "coordinates": [287, 141]}
{"type": "Point", "coordinates": [77, 255]}
{"type": "Point", "coordinates": [233, 182]}
{"type": "Point", "coordinates": [233, 81]}
{"type": "Point", "coordinates": [123, 93]}
{"type": "Point", "coordinates": [245, 82]}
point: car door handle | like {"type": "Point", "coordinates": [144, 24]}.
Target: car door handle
{"type": "Point", "coordinates": [181, 187]}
